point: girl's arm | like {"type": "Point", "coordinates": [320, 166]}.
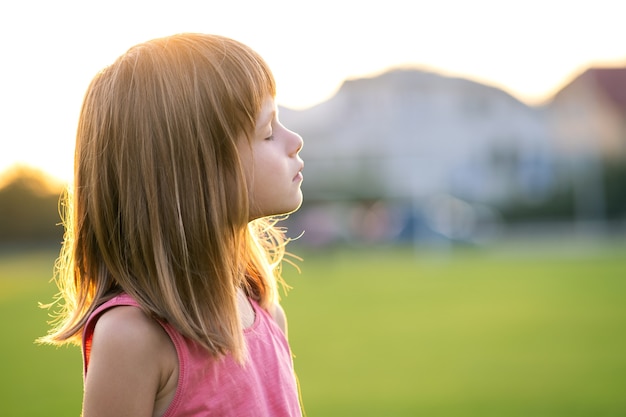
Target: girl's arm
{"type": "Point", "coordinates": [132, 362]}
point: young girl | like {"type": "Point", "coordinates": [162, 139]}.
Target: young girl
{"type": "Point", "coordinates": [168, 273]}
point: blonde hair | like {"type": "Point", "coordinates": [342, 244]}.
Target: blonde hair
{"type": "Point", "coordinates": [159, 208]}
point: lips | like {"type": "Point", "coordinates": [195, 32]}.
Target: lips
{"type": "Point", "coordinates": [299, 176]}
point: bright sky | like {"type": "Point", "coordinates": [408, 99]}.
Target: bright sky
{"type": "Point", "coordinates": [52, 49]}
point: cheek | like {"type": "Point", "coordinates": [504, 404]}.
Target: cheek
{"type": "Point", "coordinates": [257, 183]}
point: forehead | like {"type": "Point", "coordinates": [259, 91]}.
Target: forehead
{"type": "Point", "coordinates": [268, 110]}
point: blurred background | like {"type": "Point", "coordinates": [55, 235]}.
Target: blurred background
{"type": "Point", "coordinates": [463, 234]}
{"type": "Point", "coordinates": [416, 156]}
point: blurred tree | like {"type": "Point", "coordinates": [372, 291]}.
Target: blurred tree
{"type": "Point", "coordinates": [615, 189]}
{"type": "Point", "coordinates": [558, 207]}
{"type": "Point", "coordinates": [29, 203]}
{"type": "Point", "coordinates": [561, 205]}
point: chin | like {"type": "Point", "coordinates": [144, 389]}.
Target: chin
{"type": "Point", "coordinates": [278, 211]}
{"type": "Point", "coordinates": [285, 206]}
{"type": "Point", "coordinates": [294, 207]}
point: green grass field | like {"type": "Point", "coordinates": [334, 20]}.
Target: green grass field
{"type": "Point", "coordinates": [520, 330]}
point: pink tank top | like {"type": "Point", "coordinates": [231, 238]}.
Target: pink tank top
{"type": "Point", "coordinates": [264, 387]}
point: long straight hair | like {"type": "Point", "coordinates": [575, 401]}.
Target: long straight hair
{"type": "Point", "coordinates": [159, 206]}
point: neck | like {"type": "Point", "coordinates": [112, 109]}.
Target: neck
{"type": "Point", "coordinates": [246, 312]}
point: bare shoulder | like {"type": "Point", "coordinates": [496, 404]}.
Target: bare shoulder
{"type": "Point", "coordinates": [132, 361]}
{"type": "Point", "coordinates": [126, 325]}
{"type": "Point", "coordinates": [128, 332]}
{"type": "Point", "coordinates": [279, 316]}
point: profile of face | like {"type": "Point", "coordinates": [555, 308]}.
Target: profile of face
{"type": "Point", "coordinates": [272, 165]}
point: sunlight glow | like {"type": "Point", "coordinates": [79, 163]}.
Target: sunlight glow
{"type": "Point", "coordinates": [530, 50]}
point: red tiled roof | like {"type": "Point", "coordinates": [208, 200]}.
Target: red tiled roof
{"type": "Point", "coordinates": [613, 83]}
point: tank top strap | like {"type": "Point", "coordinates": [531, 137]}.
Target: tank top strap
{"type": "Point", "coordinates": [119, 300]}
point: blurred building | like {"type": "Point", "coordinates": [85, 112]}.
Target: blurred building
{"type": "Point", "coordinates": [589, 114]}
{"type": "Point", "coordinates": [587, 120]}
{"type": "Point", "coordinates": [409, 134]}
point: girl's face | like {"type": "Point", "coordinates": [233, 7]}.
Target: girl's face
{"type": "Point", "coordinates": [272, 165]}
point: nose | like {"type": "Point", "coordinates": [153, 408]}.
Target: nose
{"type": "Point", "coordinates": [296, 142]}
